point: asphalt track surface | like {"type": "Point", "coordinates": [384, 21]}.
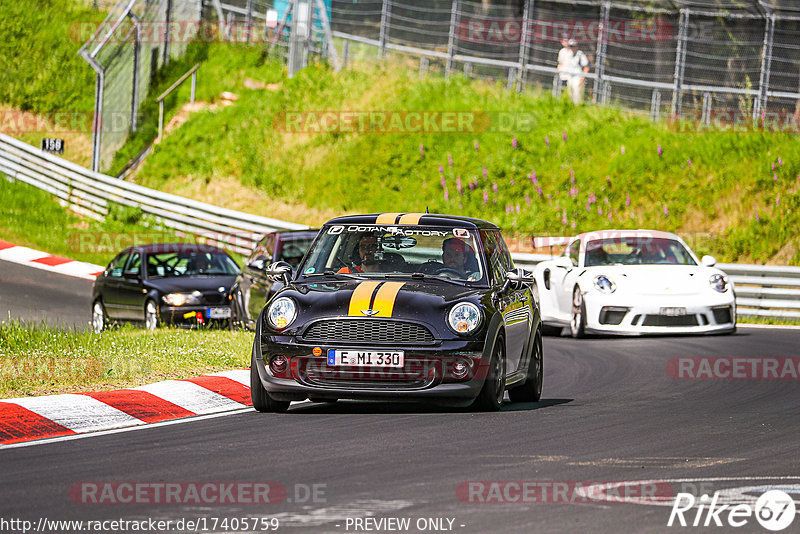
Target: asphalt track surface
{"type": "Point", "coordinates": [609, 412]}
{"type": "Point", "coordinates": [36, 296]}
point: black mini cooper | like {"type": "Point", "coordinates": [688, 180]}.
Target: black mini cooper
{"type": "Point", "coordinates": [412, 306]}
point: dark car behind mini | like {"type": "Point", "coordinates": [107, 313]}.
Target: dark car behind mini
{"type": "Point", "coordinates": [172, 283]}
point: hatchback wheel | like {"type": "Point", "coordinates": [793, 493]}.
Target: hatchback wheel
{"type": "Point", "coordinates": [98, 317]}
{"type": "Point", "coordinates": [494, 386]}
{"type": "Point", "coordinates": [150, 315]}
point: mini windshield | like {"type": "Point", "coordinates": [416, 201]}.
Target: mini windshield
{"type": "Point", "coordinates": [386, 251]}
{"type": "Point", "coordinates": [637, 251]}
{"type": "Point", "coordinates": [171, 264]}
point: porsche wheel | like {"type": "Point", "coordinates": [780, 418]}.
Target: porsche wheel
{"type": "Point", "coordinates": [494, 387]}
{"type": "Point", "coordinates": [99, 321]}
{"type": "Point", "coordinates": [577, 325]}
{"type": "Point", "coordinates": [531, 389]}
{"type": "Point", "coordinates": [262, 402]}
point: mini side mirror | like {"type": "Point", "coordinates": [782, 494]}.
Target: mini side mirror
{"type": "Point", "coordinates": [518, 278]}
{"type": "Point", "coordinates": [280, 271]}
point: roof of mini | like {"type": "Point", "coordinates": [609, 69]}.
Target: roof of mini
{"type": "Point", "coordinates": [415, 219]}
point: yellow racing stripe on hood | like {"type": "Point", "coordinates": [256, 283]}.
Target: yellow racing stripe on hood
{"type": "Point", "coordinates": [384, 300]}
{"type": "Point", "coordinates": [361, 297]}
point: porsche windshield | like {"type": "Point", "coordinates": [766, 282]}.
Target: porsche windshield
{"type": "Point", "coordinates": [379, 251]}
{"type": "Point", "coordinates": [637, 251]}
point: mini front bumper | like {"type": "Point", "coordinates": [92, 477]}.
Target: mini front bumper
{"type": "Point", "coordinates": [426, 375]}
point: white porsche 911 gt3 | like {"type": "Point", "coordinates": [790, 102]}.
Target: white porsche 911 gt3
{"type": "Point", "coordinates": [634, 282]}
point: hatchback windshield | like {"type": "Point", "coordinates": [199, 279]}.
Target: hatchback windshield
{"type": "Point", "coordinates": [376, 251]}
{"type": "Point", "coordinates": [637, 251]}
{"type": "Point", "coordinates": [190, 264]}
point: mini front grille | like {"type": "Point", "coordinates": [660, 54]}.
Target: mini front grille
{"type": "Point", "coordinates": [670, 320]}
{"type": "Point", "coordinates": [368, 331]}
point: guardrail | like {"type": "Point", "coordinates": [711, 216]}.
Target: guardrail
{"type": "Point", "coordinates": [761, 290]}
{"type": "Point", "coordinates": [90, 193]}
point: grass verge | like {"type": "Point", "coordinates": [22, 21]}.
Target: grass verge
{"type": "Point", "coordinates": [41, 360]}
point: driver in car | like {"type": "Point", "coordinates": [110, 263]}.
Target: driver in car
{"type": "Point", "coordinates": [454, 255]}
{"type": "Point", "coordinates": [367, 248]}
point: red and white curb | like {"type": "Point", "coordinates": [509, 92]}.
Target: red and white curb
{"type": "Point", "coordinates": [33, 418]}
{"type": "Point", "coordinates": [48, 262]}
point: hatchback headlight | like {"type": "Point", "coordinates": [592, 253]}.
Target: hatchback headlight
{"type": "Point", "coordinates": [281, 313]}
{"type": "Point", "coordinates": [604, 284]}
{"type": "Point", "coordinates": [183, 299]}
{"type": "Point", "coordinates": [464, 318]}
{"type": "Point", "coordinates": [718, 282]}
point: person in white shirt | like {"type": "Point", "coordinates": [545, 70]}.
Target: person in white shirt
{"type": "Point", "coordinates": [579, 67]}
{"type": "Point", "coordinates": [564, 62]}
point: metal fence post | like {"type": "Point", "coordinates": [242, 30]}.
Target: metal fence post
{"type": "Point", "coordinates": [137, 39]}
{"type": "Point", "coordinates": [386, 14]}
{"type": "Point", "coordinates": [655, 105]}
{"type": "Point", "coordinates": [451, 40]}
{"type": "Point", "coordinates": [766, 66]}
{"type": "Point", "coordinates": [527, 13]}
{"type": "Point", "coordinates": [680, 62]}
{"type": "Point", "coordinates": [345, 52]}
{"type": "Point", "coordinates": [309, 41]}
{"type": "Point", "coordinates": [249, 19]}
{"type": "Point", "coordinates": [167, 33]}
{"type": "Point", "coordinates": [600, 55]}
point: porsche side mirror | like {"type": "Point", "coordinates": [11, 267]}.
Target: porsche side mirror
{"type": "Point", "coordinates": [708, 261]}
{"type": "Point", "coordinates": [280, 271]}
{"type": "Point", "coordinates": [564, 262]}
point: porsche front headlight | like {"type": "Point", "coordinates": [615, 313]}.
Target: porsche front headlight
{"type": "Point", "coordinates": [718, 282]}
{"type": "Point", "coordinates": [464, 318]}
{"type": "Point", "coordinates": [183, 299]}
{"type": "Point", "coordinates": [604, 284]}
{"type": "Point", "coordinates": [281, 313]}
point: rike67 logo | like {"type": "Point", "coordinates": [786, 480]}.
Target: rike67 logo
{"type": "Point", "coordinates": [774, 510]}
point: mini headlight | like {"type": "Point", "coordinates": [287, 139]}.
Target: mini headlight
{"type": "Point", "coordinates": [464, 318]}
{"type": "Point", "coordinates": [718, 282]}
{"type": "Point", "coordinates": [182, 299]}
{"type": "Point", "coordinates": [281, 313]}
{"type": "Point", "coordinates": [604, 284]}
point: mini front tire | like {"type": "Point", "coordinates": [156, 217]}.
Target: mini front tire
{"type": "Point", "coordinates": [494, 386]}
{"type": "Point", "coordinates": [262, 402]}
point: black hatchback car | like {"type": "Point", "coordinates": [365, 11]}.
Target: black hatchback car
{"type": "Point", "coordinates": [413, 306]}
{"type": "Point", "coordinates": [253, 288]}
{"type": "Point", "coordinates": [176, 283]}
